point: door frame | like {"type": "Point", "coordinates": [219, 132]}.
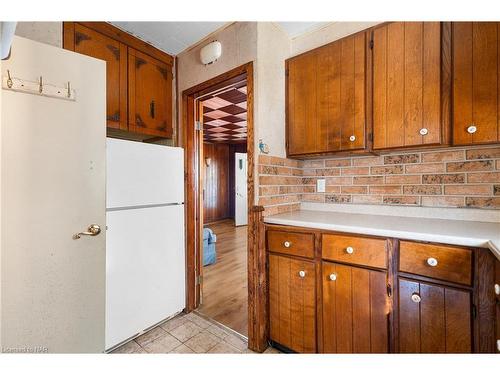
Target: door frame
{"type": "Point", "coordinates": [193, 145]}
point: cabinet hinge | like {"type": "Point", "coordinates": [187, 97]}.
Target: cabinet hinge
{"type": "Point", "coordinates": [474, 312]}
{"type": "Point", "coordinates": [389, 290]}
{"type": "Point", "coordinates": [286, 72]}
{"type": "Point", "coordinates": [199, 279]}
{"type": "Point", "coordinates": [197, 125]}
{"type": "Point", "coordinates": [371, 44]}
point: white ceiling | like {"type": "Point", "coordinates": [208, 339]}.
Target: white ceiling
{"type": "Point", "coordinates": [174, 37]}
{"type": "Point", "coordinates": [171, 37]}
{"type": "Point", "coordinates": [294, 29]}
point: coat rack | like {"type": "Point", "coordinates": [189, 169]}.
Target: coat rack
{"type": "Point", "coordinates": [38, 87]}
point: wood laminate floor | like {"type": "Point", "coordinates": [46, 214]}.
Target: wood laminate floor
{"type": "Point", "coordinates": [225, 293]}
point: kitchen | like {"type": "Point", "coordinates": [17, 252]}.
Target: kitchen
{"type": "Point", "coordinates": [373, 185]}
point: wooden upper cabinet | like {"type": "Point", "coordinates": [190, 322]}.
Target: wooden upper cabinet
{"type": "Point", "coordinates": [433, 318]}
{"type": "Point", "coordinates": [292, 303]}
{"type": "Point", "coordinates": [408, 101]}
{"type": "Point", "coordinates": [89, 42]}
{"type": "Point", "coordinates": [476, 96]}
{"type": "Point", "coordinates": [150, 95]}
{"type": "Point", "coordinates": [326, 98]}
{"type": "Point", "coordinates": [138, 77]}
{"type": "Point", "coordinates": [355, 310]}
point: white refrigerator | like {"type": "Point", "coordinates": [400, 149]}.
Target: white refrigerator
{"type": "Point", "coordinates": [145, 247]}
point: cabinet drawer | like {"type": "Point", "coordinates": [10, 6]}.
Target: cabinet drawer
{"type": "Point", "coordinates": [292, 243]}
{"type": "Point", "coordinates": [436, 261]}
{"type": "Point", "coordinates": [355, 250]}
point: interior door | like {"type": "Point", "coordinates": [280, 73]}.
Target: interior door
{"type": "Point", "coordinates": [241, 201]}
{"type": "Point", "coordinates": [53, 186]}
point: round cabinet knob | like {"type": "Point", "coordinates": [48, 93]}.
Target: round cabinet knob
{"type": "Point", "coordinates": [349, 250]}
{"type": "Point", "coordinates": [472, 129]}
{"type": "Point", "coordinates": [352, 138]}
{"type": "Point", "coordinates": [302, 273]}
{"type": "Point", "coordinates": [497, 289]}
{"type": "Point", "coordinates": [432, 262]}
{"type": "Point", "coordinates": [287, 244]}
{"type": "Point", "coordinates": [415, 298]}
{"type": "Point", "coordinates": [332, 277]}
{"type": "Point", "coordinates": [424, 131]}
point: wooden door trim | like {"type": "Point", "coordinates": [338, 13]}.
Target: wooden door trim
{"type": "Point", "coordinates": [257, 276]}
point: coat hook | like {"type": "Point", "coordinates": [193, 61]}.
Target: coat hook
{"type": "Point", "coordinates": [40, 87]}
{"type": "Point", "coordinates": [69, 89]}
{"type": "Point", "coordinates": [9, 80]}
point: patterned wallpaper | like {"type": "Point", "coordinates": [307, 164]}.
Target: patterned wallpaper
{"type": "Point", "coordinates": [453, 177]}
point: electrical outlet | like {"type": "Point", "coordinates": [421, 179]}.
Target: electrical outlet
{"type": "Point", "coordinates": [320, 185]}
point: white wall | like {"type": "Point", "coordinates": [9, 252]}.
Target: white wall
{"type": "Point", "coordinates": [44, 32]}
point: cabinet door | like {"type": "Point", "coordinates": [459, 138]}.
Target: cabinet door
{"type": "Point", "coordinates": [92, 43]}
{"type": "Point", "coordinates": [355, 310]}
{"type": "Point", "coordinates": [475, 84]}
{"type": "Point", "coordinates": [341, 94]}
{"type": "Point", "coordinates": [433, 319]}
{"type": "Point", "coordinates": [150, 95]}
{"type": "Point", "coordinates": [301, 104]}
{"type": "Point", "coordinates": [326, 98]}
{"type": "Point", "coordinates": [292, 303]}
{"type": "Point", "coordinates": [407, 84]}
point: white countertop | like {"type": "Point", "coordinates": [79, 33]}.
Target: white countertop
{"type": "Point", "coordinates": [453, 232]}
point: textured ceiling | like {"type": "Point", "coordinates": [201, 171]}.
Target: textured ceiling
{"type": "Point", "coordinates": [171, 37]}
{"type": "Point", "coordinates": [294, 29]}
{"type": "Point", "coordinates": [225, 116]}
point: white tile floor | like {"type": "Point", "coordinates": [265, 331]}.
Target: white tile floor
{"type": "Point", "coordinates": [189, 333]}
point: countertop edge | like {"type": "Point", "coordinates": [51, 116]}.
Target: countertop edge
{"type": "Point", "coordinates": [405, 235]}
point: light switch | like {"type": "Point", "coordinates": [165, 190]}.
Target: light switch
{"type": "Point", "coordinates": [320, 185]}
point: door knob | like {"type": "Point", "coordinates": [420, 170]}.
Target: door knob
{"type": "Point", "coordinates": [472, 129]}
{"type": "Point", "coordinates": [92, 230]}
{"type": "Point", "coordinates": [432, 262]}
{"type": "Point", "coordinates": [415, 297]}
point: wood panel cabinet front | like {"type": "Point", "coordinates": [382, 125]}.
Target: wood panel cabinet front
{"type": "Point", "coordinates": [91, 43]}
{"type": "Point", "coordinates": [292, 303]}
{"type": "Point", "coordinates": [433, 319]}
{"type": "Point", "coordinates": [326, 98]}
{"type": "Point", "coordinates": [407, 85]}
{"type": "Point", "coordinates": [476, 95]}
{"type": "Point", "coordinates": [355, 310]}
{"type": "Point", "coordinates": [150, 95]}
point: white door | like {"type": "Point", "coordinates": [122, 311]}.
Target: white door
{"type": "Point", "coordinates": [53, 186]}
{"type": "Point", "coordinates": [241, 202]}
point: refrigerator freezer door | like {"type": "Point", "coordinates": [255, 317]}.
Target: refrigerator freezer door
{"type": "Point", "coordinates": [140, 174]}
{"type": "Point", "coordinates": [145, 269]}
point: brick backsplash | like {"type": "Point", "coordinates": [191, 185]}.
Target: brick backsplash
{"type": "Point", "coordinates": [465, 177]}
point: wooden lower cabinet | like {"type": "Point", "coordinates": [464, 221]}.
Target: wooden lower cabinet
{"type": "Point", "coordinates": [292, 303]}
{"type": "Point", "coordinates": [355, 310]}
{"type": "Point", "coordinates": [356, 294]}
{"type": "Point", "coordinates": [433, 318]}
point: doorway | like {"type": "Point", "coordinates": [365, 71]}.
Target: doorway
{"type": "Point", "coordinates": [223, 288]}
{"type": "Point", "coordinates": [226, 126]}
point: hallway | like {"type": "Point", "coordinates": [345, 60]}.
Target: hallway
{"type": "Point", "coordinates": [224, 294]}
